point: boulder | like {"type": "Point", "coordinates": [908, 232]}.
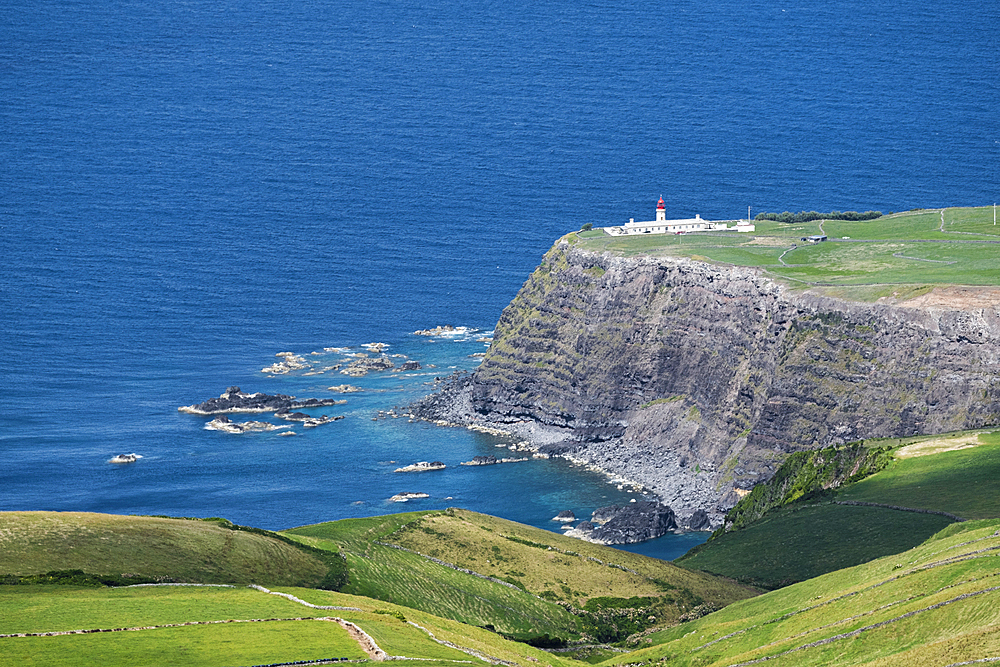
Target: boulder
{"type": "Point", "coordinates": [635, 522]}
{"type": "Point", "coordinates": [698, 521]}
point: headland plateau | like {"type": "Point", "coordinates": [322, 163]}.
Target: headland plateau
{"type": "Point", "coordinates": [692, 367]}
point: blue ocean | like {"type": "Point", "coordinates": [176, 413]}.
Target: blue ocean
{"type": "Point", "coordinates": [190, 187]}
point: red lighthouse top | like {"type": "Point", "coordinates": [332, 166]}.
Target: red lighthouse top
{"type": "Point", "coordinates": [660, 204]}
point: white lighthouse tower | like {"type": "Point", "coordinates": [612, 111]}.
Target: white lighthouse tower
{"type": "Point", "coordinates": [661, 211]}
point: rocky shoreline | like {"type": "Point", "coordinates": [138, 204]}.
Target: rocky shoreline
{"type": "Point", "coordinates": [692, 382]}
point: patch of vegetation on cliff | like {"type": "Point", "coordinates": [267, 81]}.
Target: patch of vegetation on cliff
{"type": "Point", "coordinates": [807, 475]}
{"type": "Point", "coordinates": [809, 216]}
{"type": "Point", "coordinates": [658, 401]}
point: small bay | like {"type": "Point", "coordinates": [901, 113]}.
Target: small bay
{"type": "Point", "coordinates": [189, 188]}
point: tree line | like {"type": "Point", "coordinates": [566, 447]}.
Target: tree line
{"type": "Point", "coordinates": [809, 216]}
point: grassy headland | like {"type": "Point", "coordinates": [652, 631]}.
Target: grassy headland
{"type": "Point", "coordinates": [917, 248]}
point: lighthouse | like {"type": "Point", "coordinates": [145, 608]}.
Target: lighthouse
{"type": "Point", "coordinates": [661, 211]}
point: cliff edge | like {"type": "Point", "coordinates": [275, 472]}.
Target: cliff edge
{"type": "Point", "coordinates": [696, 380]}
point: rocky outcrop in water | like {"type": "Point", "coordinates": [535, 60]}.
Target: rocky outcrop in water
{"type": "Point", "coordinates": [695, 381]}
{"type": "Point", "coordinates": [235, 400]}
{"type": "Point", "coordinates": [635, 522]}
{"type": "Point", "coordinates": [363, 365]}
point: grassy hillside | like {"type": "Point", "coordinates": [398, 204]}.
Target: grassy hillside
{"type": "Point", "coordinates": [33, 543]}
{"type": "Point", "coordinates": [383, 572]}
{"type": "Point", "coordinates": [805, 539]}
{"type": "Point", "coordinates": [225, 625]}
{"type": "Point", "coordinates": [965, 482]}
{"type": "Point", "coordinates": [934, 604]}
{"type": "Point", "coordinates": [922, 247]}
{"type": "Point", "coordinates": [796, 543]}
{"type": "Point", "coordinates": [528, 570]}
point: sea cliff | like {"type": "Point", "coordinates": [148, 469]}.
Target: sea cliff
{"type": "Point", "coordinates": [696, 380]}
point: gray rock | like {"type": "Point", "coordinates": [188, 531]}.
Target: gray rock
{"type": "Point", "coordinates": [632, 523]}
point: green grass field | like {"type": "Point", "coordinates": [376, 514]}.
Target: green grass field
{"type": "Point", "coordinates": [900, 249]}
{"type": "Point", "coordinates": [176, 549]}
{"type": "Point", "coordinates": [545, 568]}
{"type": "Point", "coordinates": [934, 604]}
{"type": "Point", "coordinates": [394, 575]}
{"type": "Point", "coordinates": [261, 628]}
{"type": "Point", "coordinates": [965, 482]}
{"type": "Point", "coordinates": [553, 566]}
{"type": "Point", "coordinates": [804, 540]}
{"type": "Point", "coordinates": [797, 543]}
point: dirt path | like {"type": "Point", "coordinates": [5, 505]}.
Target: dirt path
{"type": "Point", "coordinates": [363, 639]}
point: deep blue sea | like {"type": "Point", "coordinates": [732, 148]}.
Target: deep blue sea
{"type": "Point", "coordinates": [189, 187]}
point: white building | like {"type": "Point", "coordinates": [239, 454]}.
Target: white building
{"type": "Point", "coordinates": [663, 226]}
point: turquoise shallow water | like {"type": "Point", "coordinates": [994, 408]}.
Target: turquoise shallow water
{"type": "Point", "coordinates": [188, 188]}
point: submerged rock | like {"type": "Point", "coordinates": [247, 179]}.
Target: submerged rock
{"type": "Point", "coordinates": [422, 466]}
{"type": "Point", "coordinates": [405, 497]}
{"type": "Point", "coordinates": [345, 389]}
{"type": "Point", "coordinates": [445, 330]}
{"type": "Point", "coordinates": [410, 365]}
{"type": "Point", "coordinates": [307, 420]}
{"type": "Point", "coordinates": [224, 424]}
{"type": "Point", "coordinates": [482, 461]}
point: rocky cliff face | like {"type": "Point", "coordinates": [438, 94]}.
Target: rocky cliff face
{"type": "Point", "coordinates": [696, 380]}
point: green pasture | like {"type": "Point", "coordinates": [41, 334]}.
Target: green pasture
{"type": "Point", "coordinates": [542, 568]}
{"type": "Point", "coordinates": [186, 550]}
{"type": "Point", "coordinates": [413, 638]}
{"type": "Point", "coordinates": [936, 599]}
{"type": "Point", "coordinates": [385, 573]}
{"type": "Point", "coordinates": [807, 539]}
{"type": "Point", "coordinates": [796, 543]}
{"type": "Point", "coordinates": [554, 566]}
{"type": "Point", "coordinates": [900, 249]}
{"type": "Point", "coordinates": [40, 608]}
{"type": "Point", "coordinates": [267, 632]}
{"type": "Point", "coordinates": [209, 645]}
{"type": "Point", "coordinates": [965, 482]}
